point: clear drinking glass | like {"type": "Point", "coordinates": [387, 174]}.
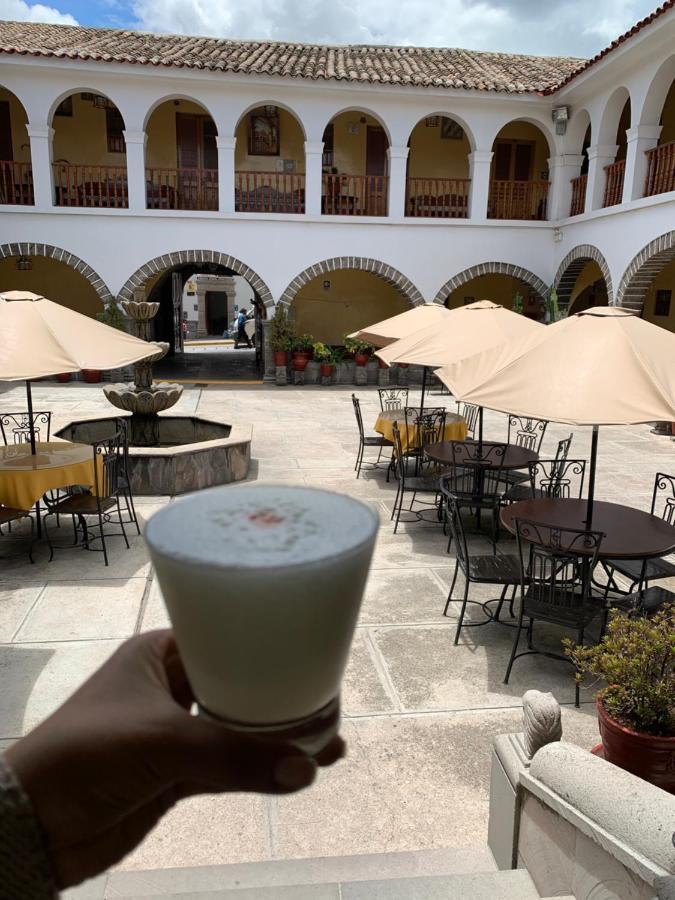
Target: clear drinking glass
{"type": "Point", "coordinates": [263, 585]}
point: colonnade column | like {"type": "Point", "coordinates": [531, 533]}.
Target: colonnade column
{"type": "Point", "coordinates": [639, 139]}
{"type": "Point", "coordinates": [135, 142]}
{"type": "Point", "coordinates": [480, 162]}
{"type": "Point", "coordinates": [40, 137]}
{"type": "Point", "coordinates": [397, 158]}
{"type": "Point", "coordinates": [313, 180]}
{"type": "Point", "coordinates": [226, 174]}
{"type": "Point", "coordinates": [562, 170]}
{"type": "Point", "coordinates": [599, 156]}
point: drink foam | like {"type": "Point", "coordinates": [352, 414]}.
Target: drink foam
{"type": "Point", "coordinates": [262, 526]}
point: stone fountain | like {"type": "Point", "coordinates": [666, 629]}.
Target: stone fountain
{"type": "Point", "coordinates": [168, 454]}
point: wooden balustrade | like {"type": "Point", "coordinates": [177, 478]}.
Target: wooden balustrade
{"type": "Point", "coordinates": [16, 183]}
{"type": "Point", "coordinates": [578, 195]}
{"type": "Point", "coordinates": [660, 169]}
{"type": "Point", "coordinates": [194, 189]}
{"type": "Point", "coordinates": [102, 187]}
{"type": "Point", "coordinates": [614, 175]}
{"type": "Point", "coordinates": [269, 192]}
{"type": "Point", "coordinates": [354, 195]}
{"type": "Point", "coordinates": [437, 198]}
{"type": "Point", "coordinates": [518, 200]}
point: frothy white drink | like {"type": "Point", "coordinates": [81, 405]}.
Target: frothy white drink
{"type": "Point", "coordinates": [263, 585]}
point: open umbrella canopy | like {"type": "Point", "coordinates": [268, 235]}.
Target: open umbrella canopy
{"type": "Point", "coordinates": [602, 366]}
{"type": "Point", "coordinates": [462, 332]}
{"type": "Point", "coordinates": [40, 337]}
{"type": "Point", "coordinates": [388, 330]}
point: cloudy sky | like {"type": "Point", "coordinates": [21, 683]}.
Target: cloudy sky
{"type": "Point", "coordinates": [564, 27]}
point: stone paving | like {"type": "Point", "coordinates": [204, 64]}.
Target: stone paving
{"type": "Point", "coordinates": [420, 713]}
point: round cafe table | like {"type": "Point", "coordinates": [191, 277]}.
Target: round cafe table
{"type": "Point", "coordinates": [25, 478]}
{"type": "Point", "coordinates": [628, 533]}
{"type": "Point", "coordinates": [455, 427]}
{"type": "Point", "coordinates": [515, 457]}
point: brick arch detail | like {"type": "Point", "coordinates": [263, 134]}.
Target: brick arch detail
{"type": "Point", "coordinates": [571, 267]}
{"type": "Point", "coordinates": [60, 255]}
{"type": "Point", "coordinates": [491, 268]}
{"type": "Point", "coordinates": [387, 273]}
{"type": "Point", "coordinates": [182, 257]}
{"type": "Point", "coordinates": [643, 269]}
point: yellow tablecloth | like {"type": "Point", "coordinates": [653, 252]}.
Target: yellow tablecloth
{"type": "Point", "coordinates": [25, 479]}
{"type": "Point", "coordinates": [455, 428]}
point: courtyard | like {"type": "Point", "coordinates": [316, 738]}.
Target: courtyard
{"type": "Point", "coordinates": [419, 713]}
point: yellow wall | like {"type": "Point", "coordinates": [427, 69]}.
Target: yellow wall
{"type": "Point", "coordinates": [291, 141]}
{"type": "Point", "coordinates": [590, 277]}
{"type": "Point", "coordinates": [18, 118]}
{"type": "Point", "coordinates": [668, 118]}
{"type": "Point", "coordinates": [434, 157]}
{"type": "Point", "coordinates": [54, 280]}
{"type": "Point", "coordinates": [81, 139]}
{"type": "Point", "coordinates": [349, 156]}
{"type": "Point", "coordinates": [355, 299]}
{"type": "Point", "coordinates": [161, 151]}
{"type": "Point", "coordinates": [665, 280]}
{"type": "Point", "coordinates": [498, 288]}
{"type": "Point", "coordinates": [524, 131]}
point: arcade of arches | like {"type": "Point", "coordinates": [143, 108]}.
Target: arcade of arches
{"type": "Point", "coordinates": [500, 289]}
{"type": "Point", "coordinates": [659, 305]}
{"type": "Point", "coordinates": [52, 279]}
{"type": "Point", "coordinates": [589, 289]}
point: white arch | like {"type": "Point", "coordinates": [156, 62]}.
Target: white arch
{"type": "Point", "coordinates": [270, 102]}
{"type": "Point", "coordinates": [531, 120]}
{"type": "Point", "coordinates": [657, 92]}
{"type": "Point", "coordinates": [355, 108]}
{"type": "Point", "coordinates": [611, 116]}
{"type": "Point", "coordinates": [448, 114]}
{"type": "Point", "coordinates": [70, 92]}
{"type": "Point", "coordinates": [176, 96]}
{"type": "Point", "coordinates": [576, 130]}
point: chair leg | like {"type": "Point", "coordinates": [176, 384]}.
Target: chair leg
{"type": "Point", "coordinates": [119, 516]}
{"type": "Point", "coordinates": [397, 508]}
{"type": "Point", "coordinates": [530, 629]}
{"type": "Point", "coordinates": [514, 649]}
{"type": "Point", "coordinates": [105, 549]}
{"type": "Point", "coordinates": [502, 597]}
{"type": "Point", "coordinates": [49, 541]}
{"type": "Point", "coordinates": [512, 601]}
{"type": "Point", "coordinates": [463, 610]}
{"type": "Point", "coordinates": [452, 587]}
{"type": "Point", "coordinates": [131, 509]}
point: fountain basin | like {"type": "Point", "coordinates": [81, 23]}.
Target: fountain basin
{"type": "Point", "coordinates": [193, 453]}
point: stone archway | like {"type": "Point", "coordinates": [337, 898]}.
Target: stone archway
{"type": "Point", "coordinates": [387, 273]}
{"type": "Point", "coordinates": [642, 270]}
{"type": "Point", "coordinates": [183, 257]}
{"type": "Point", "coordinates": [571, 267]}
{"type": "Point", "coordinates": [491, 268]}
{"type": "Point", "coordinates": [63, 256]}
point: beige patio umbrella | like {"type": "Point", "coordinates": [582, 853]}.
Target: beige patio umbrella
{"type": "Point", "coordinates": [602, 366]}
{"type": "Point", "coordinates": [388, 330]}
{"type": "Point", "coordinates": [40, 337]}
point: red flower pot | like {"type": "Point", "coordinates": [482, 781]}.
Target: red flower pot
{"type": "Point", "coordinates": [300, 361]}
{"type": "Point", "coordinates": [361, 359]}
{"type": "Point", "coordinates": [326, 370]}
{"type": "Point", "coordinates": [63, 377]}
{"type": "Point", "coordinates": [645, 755]}
{"type": "Point", "coordinates": [91, 376]}
{"type": "Point", "coordinates": [382, 363]}
{"type": "Point", "coordinates": [280, 357]}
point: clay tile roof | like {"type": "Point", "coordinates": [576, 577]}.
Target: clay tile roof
{"type": "Point", "coordinates": [416, 66]}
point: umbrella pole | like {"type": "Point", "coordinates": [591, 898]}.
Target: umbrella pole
{"type": "Point", "coordinates": [480, 428]}
{"type": "Point", "coordinates": [591, 477]}
{"type": "Point", "coordinates": [29, 398]}
{"type": "Point", "coordinates": [424, 388]}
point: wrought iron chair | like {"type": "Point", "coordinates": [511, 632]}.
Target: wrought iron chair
{"type": "Point", "coordinates": [640, 572]}
{"type": "Point", "coordinates": [409, 484]}
{"type": "Point", "coordinates": [551, 478]}
{"type": "Point", "coordinates": [8, 515]}
{"type": "Point", "coordinates": [366, 440]}
{"type": "Point", "coordinates": [420, 427]}
{"type": "Point", "coordinates": [522, 490]}
{"type": "Point", "coordinates": [469, 412]}
{"type": "Point", "coordinates": [556, 565]}
{"type": "Point", "coordinates": [475, 478]}
{"type": "Point", "coordinates": [124, 478]}
{"type": "Point", "coordinates": [527, 433]}
{"type": "Point", "coordinates": [15, 427]}
{"type": "Point", "coordinates": [393, 398]}
{"type": "Point", "coordinates": [503, 569]}
{"type": "Point", "coordinates": [104, 503]}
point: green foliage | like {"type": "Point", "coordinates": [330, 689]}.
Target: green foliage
{"type": "Point", "coordinates": [553, 313]}
{"type": "Point", "coordinates": [354, 345]}
{"type": "Point", "coordinates": [518, 303]}
{"type": "Point", "coordinates": [637, 660]}
{"type": "Point", "coordinates": [303, 342]}
{"type": "Point", "coordinates": [282, 331]}
{"type": "Point", "coordinates": [322, 353]}
{"type": "Point", "coordinates": [113, 316]}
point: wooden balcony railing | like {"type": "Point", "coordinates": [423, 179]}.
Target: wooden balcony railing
{"type": "Point", "coordinates": [269, 192]}
{"type": "Point", "coordinates": [660, 170]}
{"type": "Point", "coordinates": [518, 200]}
{"type": "Point", "coordinates": [16, 183]}
{"type": "Point", "coordinates": [354, 195]}
{"type": "Point", "coordinates": [614, 175]}
{"type": "Point", "coordinates": [195, 189]}
{"type": "Point", "coordinates": [578, 195]}
{"type": "Point", "coordinates": [437, 198]}
{"type": "Point", "coordinates": [102, 187]}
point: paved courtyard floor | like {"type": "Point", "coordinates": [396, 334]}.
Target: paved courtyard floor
{"type": "Point", "coordinates": [420, 713]}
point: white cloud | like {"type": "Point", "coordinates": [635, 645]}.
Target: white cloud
{"type": "Point", "coordinates": [566, 27]}
{"type": "Point", "coordinates": [20, 11]}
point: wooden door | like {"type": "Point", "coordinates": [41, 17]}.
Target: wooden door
{"type": "Point", "coordinates": [6, 146]}
{"type": "Point", "coordinates": [376, 167]}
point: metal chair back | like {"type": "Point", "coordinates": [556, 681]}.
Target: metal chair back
{"type": "Point", "coordinates": [453, 517]}
{"type": "Point", "coordinates": [476, 469]}
{"type": "Point", "coordinates": [357, 413]}
{"type": "Point", "coordinates": [526, 432]}
{"type": "Point", "coordinates": [558, 478]}
{"type": "Point", "coordinates": [430, 427]}
{"type": "Point", "coordinates": [393, 398]}
{"type": "Point", "coordinates": [15, 427]}
{"type": "Point", "coordinates": [469, 412]}
{"type": "Point", "coordinates": [399, 457]}
{"type": "Point", "coordinates": [663, 498]}
{"type": "Point", "coordinates": [108, 465]}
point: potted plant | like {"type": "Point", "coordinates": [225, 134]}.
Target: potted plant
{"type": "Point", "coordinates": [636, 711]}
{"type": "Point", "coordinates": [281, 336]}
{"type": "Point", "coordinates": [63, 377]}
{"type": "Point", "coordinates": [360, 350]}
{"type": "Point", "coordinates": [302, 346]}
{"type": "Point", "coordinates": [112, 316]}
{"type": "Point", "coordinates": [326, 357]}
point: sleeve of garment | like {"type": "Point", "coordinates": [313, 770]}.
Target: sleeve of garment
{"type": "Point", "coordinates": [25, 866]}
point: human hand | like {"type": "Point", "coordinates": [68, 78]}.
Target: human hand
{"type": "Point", "coordinates": [108, 764]}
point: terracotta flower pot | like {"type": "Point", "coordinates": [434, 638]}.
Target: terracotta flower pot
{"type": "Point", "coordinates": [300, 361]}
{"type": "Point", "coordinates": [91, 376]}
{"type": "Point", "coordinates": [63, 377]}
{"type": "Point", "coordinates": [645, 755]}
{"type": "Point", "coordinates": [402, 365]}
{"type": "Point", "coordinates": [280, 357]}
{"type": "Point", "coordinates": [361, 359]}
{"type": "Point", "coordinates": [326, 370]}
{"type": "Point", "coordinates": [382, 363]}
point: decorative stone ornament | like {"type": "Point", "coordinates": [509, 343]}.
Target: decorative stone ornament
{"type": "Point", "coordinates": [541, 720]}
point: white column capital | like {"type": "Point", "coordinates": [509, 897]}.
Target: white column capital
{"type": "Point", "coordinates": [397, 152]}
{"type": "Point", "coordinates": [602, 151]}
{"type": "Point", "coordinates": [46, 132]}
{"type": "Point", "coordinates": [314, 148]}
{"type": "Point", "coordinates": [135, 137]}
{"type": "Point", "coordinates": [480, 156]}
{"type": "Point", "coordinates": [570, 160]}
{"type": "Point", "coordinates": [644, 133]}
{"type": "Point", "coordinates": [225, 143]}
